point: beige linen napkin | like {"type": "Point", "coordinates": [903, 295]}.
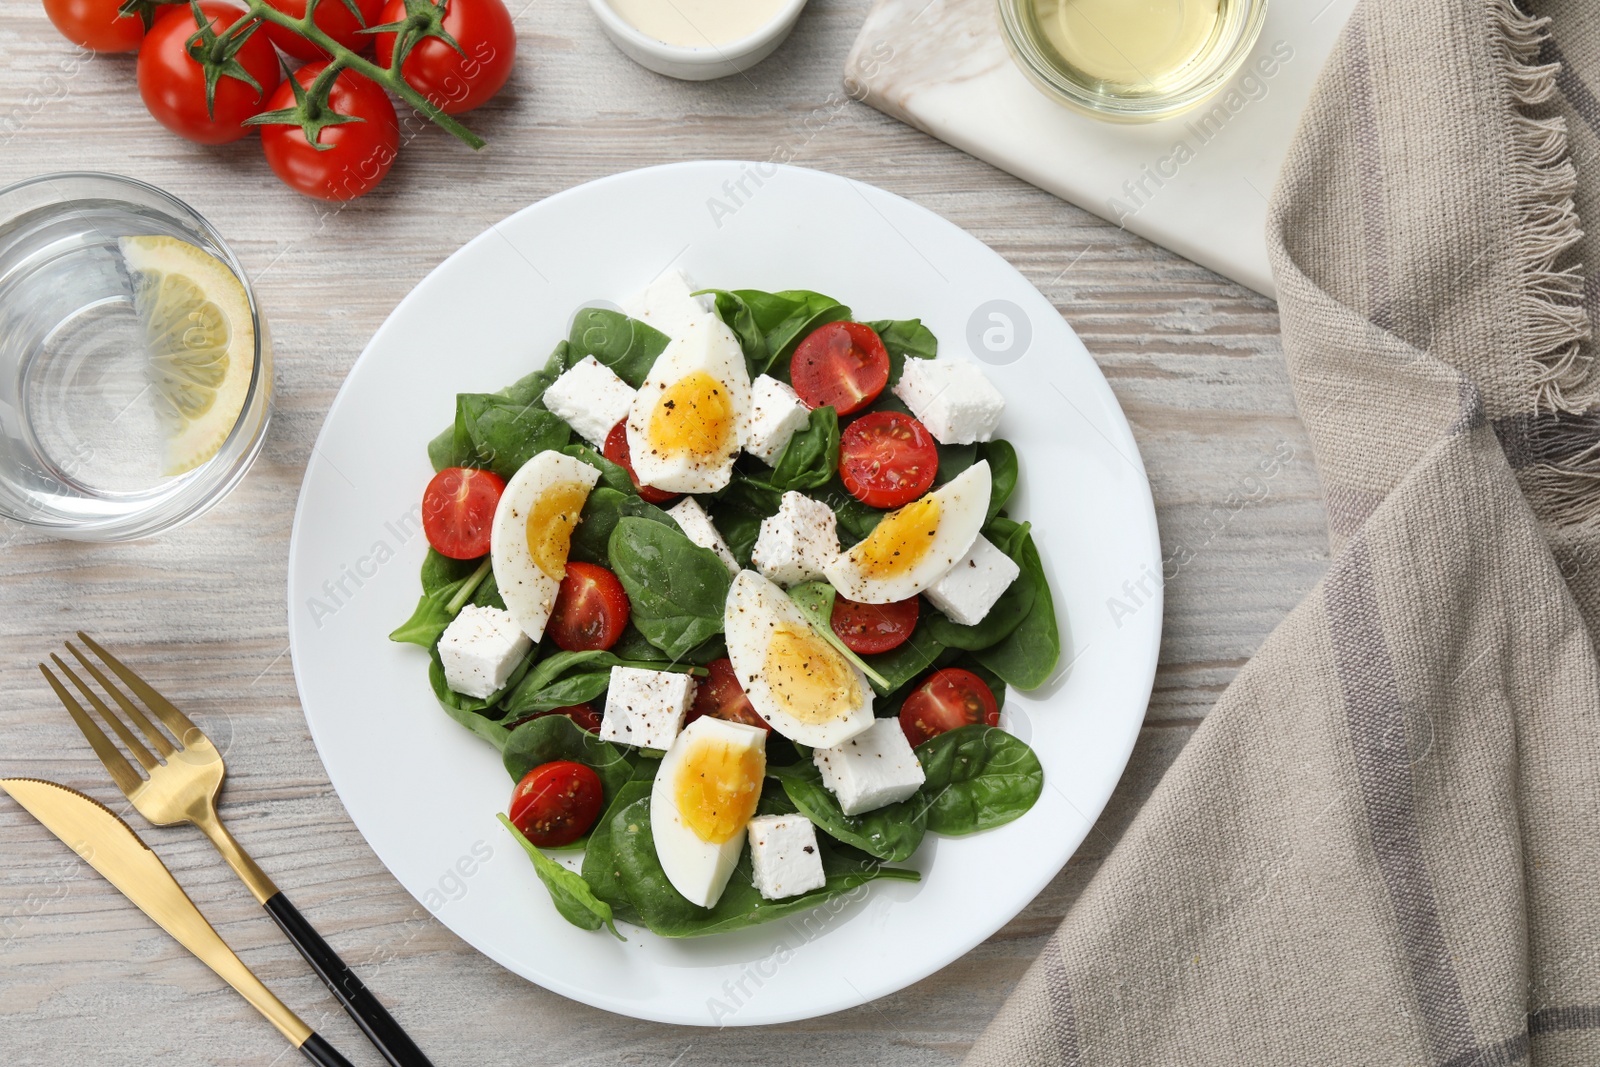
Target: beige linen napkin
{"type": "Point", "coordinates": [1383, 845]}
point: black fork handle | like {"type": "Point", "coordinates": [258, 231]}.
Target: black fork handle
{"type": "Point", "coordinates": [321, 1053]}
{"type": "Point", "coordinates": [375, 1021]}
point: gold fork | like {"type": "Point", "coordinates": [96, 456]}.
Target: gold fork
{"type": "Point", "coordinates": [180, 784]}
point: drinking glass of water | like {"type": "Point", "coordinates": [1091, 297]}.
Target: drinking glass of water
{"type": "Point", "coordinates": [135, 366]}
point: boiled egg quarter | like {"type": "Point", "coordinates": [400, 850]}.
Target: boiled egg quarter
{"type": "Point", "coordinates": [795, 679]}
{"type": "Point", "coordinates": [913, 547]}
{"type": "Point", "coordinates": [532, 532]}
{"type": "Point", "coordinates": [691, 416]}
{"type": "Point", "coordinates": [704, 795]}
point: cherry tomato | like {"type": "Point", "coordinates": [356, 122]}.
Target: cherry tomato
{"type": "Point", "coordinates": [591, 609]}
{"type": "Point", "coordinates": [582, 714]}
{"type": "Point", "coordinates": [887, 459]}
{"type": "Point", "coordinates": [458, 510]}
{"type": "Point", "coordinates": [556, 803]}
{"type": "Point", "coordinates": [947, 699]}
{"type": "Point", "coordinates": [173, 84]}
{"type": "Point", "coordinates": [616, 451]}
{"type": "Point", "coordinates": [843, 364]}
{"type": "Point", "coordinates": [356, 155]}
{"type": "Point", "coordinates": [334, 18]}
{"type": "Point", "coordinates": [869, 628]}
{"type": "Point", "coordinates": [96, 24]}
{"type": "Point", "coordinates": [456, 81]}
{"type": "Point", "coordinates": [720, 696]}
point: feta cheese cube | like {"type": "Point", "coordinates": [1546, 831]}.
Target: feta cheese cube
{"type": "Point", "coordinates": [698, 527]}
{"type": "Point", "coordinates": [873, 769]}
{"type": "Point", "coordinates": [783, 851]}
{"type": "Point", "coordinates": [591, 399]}
{"type": "Point", "coordinates": [479, 650]}
{"type": "Point", "coordinates": [967, 591]}
{"type": "Point", "coordinates": [776, 413]}
{"type": "Point", "coordinates": [953, 399]}
{"type": "Point", "coordinates": [646, 708]}
{"type": "Point", "coordinates": [798, 543]}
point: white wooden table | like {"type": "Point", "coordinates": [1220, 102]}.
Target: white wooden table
{"type": "Point", "coordinates": [86, 979]}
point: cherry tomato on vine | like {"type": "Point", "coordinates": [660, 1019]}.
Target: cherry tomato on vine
{"type": "Point", "coordinates": [556, 803]}
{"type": "Point", "coordinates": [947, 699]}
{"type": "Point", "coordinates": [357, 154]}
{"type": "Point", "coordinates": [887, 459]}
{"type": "Point", "coordinates": [96, 24]}
{"type": "Point", "coordinates": [616, 451]}
{"type": "Point", "coordinates": [334, 18]}
{"type": "Point", "coordinates": [867, 629]}
{"type": "Point", "coordinates": [173, 83]}
{"type": "Point", "coordinates": [720, 696]}
{"type": "Point", "coordinates": [591, 609]}
{"type": "Point", "coordinates": [454, 81]}
{"type": "Point", "coordinates": [843, 364]}
{"type": "Point", "coordinates": [458, 510]}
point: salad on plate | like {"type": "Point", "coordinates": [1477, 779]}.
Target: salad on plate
{"type": "Point", "coordinates": [731, 585]}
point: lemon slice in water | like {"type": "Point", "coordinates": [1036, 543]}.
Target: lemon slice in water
{"type": "Point", "coordinates": [200, 341]}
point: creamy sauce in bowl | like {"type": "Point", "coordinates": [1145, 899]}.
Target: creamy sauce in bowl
{"type": "Point", "coordinates": [697, 23]}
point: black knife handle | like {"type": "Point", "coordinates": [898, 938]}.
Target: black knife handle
{"type": "Point", "coordinates": [374, 1020]}
{"type": "Point", "coordinates": [321, 1053]}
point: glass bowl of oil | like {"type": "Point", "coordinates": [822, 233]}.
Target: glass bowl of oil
{"type": "Point", "coordinates": [1131, 60]}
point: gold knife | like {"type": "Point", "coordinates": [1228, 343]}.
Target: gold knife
{"type": "Point", "coordinates": [111, 847]}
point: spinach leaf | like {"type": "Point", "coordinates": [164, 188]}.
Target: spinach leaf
{"type": "Point", "coordinates": [599, 860]}
{"type": "Point", "coordinates": [812, 310]}
{"type": "Point", "coordinates": [677, 589]}
{"type": "Point", "coordinates": [892, 833]}
{"type": "Point", "coordinates": [900, 665]}
{"type": "Point", "coordinates": [783, 319]}
{"type": "Point", "coordinates": [738, 512]}
{"type": "Point", "coordinates": [571, 895]}
{"type": "Point", "coordinates": [556, 737]}
{"type": "Point", "coordinates": [905, 338]}
{"type": "Point", "coordinates": [481, 716]}
{"type": "Point", "coordinates": [815, 601]}
{"type": "Point", "coordinates": [978, 777]}
{"type": "Point", "coordinates": [1003, 474]}
{"type": "Point", "coordinates": [1008, 613]}
{"type": "Point", "coordinates": [592, 537]}
{"type": "Point", "coordinates": [562, 679]}
{"type": "Point", "coordinates": [1027, 656]}
{"type": "Point", "coordinates": [502, 434]}
{"type": "Point", "coordinates": [455, 446]}
{"type": "Point", "coordinates": [666, 912]}
{"type": "Point", "coordinates": [732, 309]}
{"type": "Point", "coordinates": [446, 585]}
{"type": "Point", "coordinates": [626, 345]}
{"type": "Point", "coordinates": [811, 458]}
{"type": "Point", "coordinates": [612, 475]}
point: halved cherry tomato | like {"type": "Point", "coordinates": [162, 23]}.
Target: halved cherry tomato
{"type": "Point", "coordinates": [458, 510]}
{"type": "Point", "coordinates": [99, 25]}
{"type": "Point", "coordinates": [173, 84]}
{"type": "Point", "coordinates": [947, 699]}
{"type": "Point", "coordinates": [887, 459]}
{"type": "Point", "coordinates": [616, 451]}
{"type": "Point", "coordinates": [349, 158]}
{"type": "Point", "coordinates": [843, 364]}
{"type": "Point", "coordinates": [869, 628]}
{"type": "Point", "coordinates": [455, 79]}
{"type": "Point", "coordinates": [720, 696]}
{"type": "Point", "coordinates": [556, 803]}
{"type": "Point", "coordinates": [582, 714]}
{"type": "Point", "coordinates": [334, 18]}
{"type": "Point", "coordinates": [591, 609]}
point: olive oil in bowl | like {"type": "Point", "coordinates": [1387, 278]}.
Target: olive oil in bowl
{"type": "Point", "coordinates": [1131, 60]}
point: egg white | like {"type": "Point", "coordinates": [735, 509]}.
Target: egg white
{"type": "Point", "coordinates": [529, 593]}
{"type": "Point", "coordinates": [754, 609]}
{"type": "Point", "coordinates": [963, 505]}
{"type": "Point", "coordinates": [700, 342]}
{"type": "Point", "coordinates": [697, 868]}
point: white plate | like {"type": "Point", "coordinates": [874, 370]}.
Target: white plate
{"type": "Point", "coordinates": [424, 791]}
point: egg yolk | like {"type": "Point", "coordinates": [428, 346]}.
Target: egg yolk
{"type": "Point", "coordinates": [900, 541]}
{"type": "Point", "coordinates": [809, 677]}
{"type": "Point", "coordinates": [717, 787]}
{"type": "Point", "coordinates": [694, 415]}
{"type": "Point", "coordinates": [555, 512]}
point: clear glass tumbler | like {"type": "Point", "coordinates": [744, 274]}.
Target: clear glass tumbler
{"type": "Point", "coordinates": [94, 387]}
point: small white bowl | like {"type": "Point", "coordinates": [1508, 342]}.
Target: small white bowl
{"type": "Point", "coordinates": [703, 63]}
